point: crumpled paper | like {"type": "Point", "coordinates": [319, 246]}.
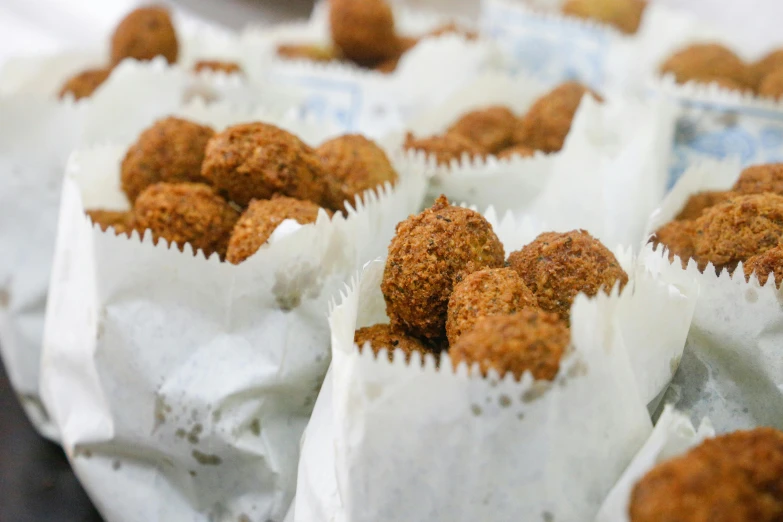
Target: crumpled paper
{"type": "Point", "coordinates": [731, 368]}
{"type": "Point", "coordinates": [367, 101]}
{"type": "Point", "coordinates": [673, 435]}
{"type": "Point", "coordinates": [396, 441]}
{"type": "Point", "coordinates": [185, 381]}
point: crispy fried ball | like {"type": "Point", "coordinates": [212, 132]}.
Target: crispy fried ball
{"type": "Point", "coordinates": [738, 229]}
{"type": "Point", "coordinates": [558, 266]}
{"type": "Point", "coordinates": [766, 264]}
{"type": "Point", "coordinates": [312, 52]}
{"type": "Point", "coordinates": [186, 213]}
{"type": "Point", "coordinates": [363, 29]}
{"type": "Point", "coordinates": [700, 201]}
{"type": "Point", "coordinates": [430, 253]}
{"type": "Point", "coordinates": [491, 128]}
{"type": "Point", "coordinates": [767, 65]}
{"type": "Point", "coordinates": [772, 85]}
{"type": "Point", "coordinates": [382, 336]}
{"type": "Point", "coordinates": [260, 220]}
{"type": "Point", "coordinates": [83, 84]}
{"type": "Point", "coordinates": [528, 340]}
{"type": "Point", "coordinates": [522, 151]}
{"type": "Point", "coordinates": [625, 15]}
{"type": "Point", "coordinates": [258, 160]}
{"type": "Point", "coordinates": [548, 121]}
{"type": "Point", "coordinates": [121, 221]}
{"type": "Point", "coordinates": [731, 478]}
{"type": "Point", "coordinates": [143, 34]}
{"type": "Point", "coordinates": [171, 150]}
{"type": "Point", "coordinates": [705, 62]}
{"type": "Point", "coordinates": [445, 148]}
{"type": "Point", "coordinates": [354, 164]}
{"type": "Point", "coordinates": [492, 291]}
{"type": "Point", "coordinates": [678, 237]}
{"type": "Point", "coordinates": [217, 66]}
{"type": "Point", "coordinates": [758, 179]}
{"type": "Point", "coordinates": [453, 28]}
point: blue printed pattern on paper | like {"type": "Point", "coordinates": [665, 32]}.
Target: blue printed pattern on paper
{"type": "Point", "coordinates": [339, 101]}
{"type": "Point", "coordinates": [549, 49]}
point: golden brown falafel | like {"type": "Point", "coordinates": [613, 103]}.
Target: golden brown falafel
{"type": "Point", "coordinates": [445, 148]}
{"type": "Point", "coordinates": [738, 229]}
{"type": "Point", "coordinates": [217, 66]}
{"type": "Point", "coordinates": [354, 164]}
{"type": "Point", "coordinates": [766, 264]}
{"type": "Point", "coordinates": [492, 291]}
{"type": "Point", "coordinates": [363, 30]}
{"type": "Point", "coordinates": [260, 220]}
{"type": "Point", "coordinates": [258, 160]}
{"type": "Point", "coordinates": [312, 52]}
{"type": "Point", "coordinates": [678, 237]}
{"type": "Point", "coordinates": [186, 213]}
{"type": "Point", "coordinates": [528, 340]}
{"type": "Point", "coordinates": [700, 201]}
{"type": "Point", "coordinates": [521, 151]}
{"type": "Point", "coordinates": [758, 179]}
{"type": "Point", "coordinates": [430, 253]}
{"type": "Point", "coordinates": [453, 28]}
{"type": "Point", "coordinates": [547, 123]}
{"type": "Point", "coordinates": [624, 15]}
{"type": "Point", "coordinates": [83, 84]}
{"type": "Point", "coordinates": [770, 63]}
{"type": "Point", "coordinates": [731, 478]}
{"type": "Point", "coordinates": [558, 266]}
{"type": "Point", "coordinates": [491, 128]}
{"type": "Point", "coordinates": [772, 85]}
{"type": "Point", "coordinates": [171, 150]}
{"type": "Point", "coordinates": [143, 34]}
{"type": "Point", "coordinates": [121, 221]}
{"type": "Point", "coordinates": [382, 336]}
{"type": "Point", "coordinates": [706, 62]}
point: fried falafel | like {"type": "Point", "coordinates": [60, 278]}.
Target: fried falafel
{"type": "Point", "coordinates": [83, 84]}
{"type": "Point", "coordinates": [143, 34]}
{"type": "Point", "coordinates": [491, 128]}
{"type": "Point", "coordinates": [382, 336]}
{"type": "Point", "coordinates": [770, 263]}
{"type": "Point", "coordinates": [445, 148]}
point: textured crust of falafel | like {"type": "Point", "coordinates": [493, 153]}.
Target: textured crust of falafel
{"type": "Point", "coordinates": [766, 264]}
{"type": "Point", "coordinates": [121, 221]}
{"type": "Point", "coordinates": [700, 201]}
{"type": "Point", "coordinates": [382, 336]}
{"type": "Point", "coordinates": [529, 340]}
{"type": "Point", "coordinates": [758, 179]}
{"type": "Point", "coordinates": [706, 62]}
{"type": "Point", "coordinates": [772, 85]}
{"type": "Point", "coordinates": [363, 30]}
{"type": "Point", "coordinates": [429, 254]}
{"type": "Point", "coordinates": [84, 83]}
{"type": "Point", "coordinates": [143, 34]}
{"type": "Point", "coordinates": [491, 128]}
{"type": "Point", "coordinates": [677, 237]}
{"type": "Point", "coordinates": [624, 15]}
{"type": "Point", "coordinates": [445, 148]}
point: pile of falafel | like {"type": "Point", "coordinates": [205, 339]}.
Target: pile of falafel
{"type": "Point", "coordinates": [497, 131]}
{"type": "Point", "coordinates": [226, 192]}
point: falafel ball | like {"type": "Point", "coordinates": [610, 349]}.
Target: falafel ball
{"type": "Point", "coordinates": [121, 221]}
{"type": "Point", "coordinates": [382, 336]}
{"type": "Point", "coordinates": [766, 264]}
{"type": "Point", "coordinates": [445, 148]}
{"type": "Point", "coordinates": [730, 478]}
{"type": "Point", "coordinates": [312, 52]}
{"type": "Point", "coordinates": [521, 151]}
{"type": "Point", "coordinates": [758, 179]}
{"type": "Point", "coordinates": [186, 213]}
{"type": "Point", "coordinates": [557, 266]}
{"type": "Point", "coordinates": [705, 62]}
{"type": "Point", "coordinates": [171, 150]}
{"type": "Point", "coordinates": [767, 65]}
{"type": "Point", "coordinates": [677, 237]}
{"type": "Point", "coordinates": [700, 201]}
{"type": "Point", "coordinates": [528, 340]}
{"type": "Point", "coordinates": [772, 85]}
{"type": "Point", "coordinates": [217, 66]}
{"type": "Point", "coordinates": [363, 30]}
{"type": "Point", "coordinates": [625, 15]}
{"type": "Point", "coordinates": [429, 254]}
{"type": "Point", "coordinates": [491, 128]}
{"type": "Point", "coordinates": [492, 291]}
{"type": "Point", "coordinates": [453, 28]}
{"type": "Point", "coordinates": [738, 229]}
{"type": "Point", "coordinates": [354, 164]}
{"type": "Point", "coordinates": [547, 123]}
{"type": "Point", "coordinates": [143, 34]}
{"type": "Point", "coordinates": [83, 84]}
{"type": "Point", "coordinates": [259, 221]}
{"type": "Point", "coordinates": [258, 160]}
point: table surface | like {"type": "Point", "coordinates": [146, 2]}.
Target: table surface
{"type": "Point", "coordinates": [36, 481]}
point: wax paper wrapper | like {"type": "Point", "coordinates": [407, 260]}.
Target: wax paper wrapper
{"type": "Point", "coordinates": [674, 434]}
{"type": "Point", "coordinates": [731, 369]}
{"type": "Point", "coordinates": [390, 441]}
{"type": "Point", "coordinates": [608, 178]}
{"type": "Point", "coordinates": [36, 137]}
{"type": "Point", "coordinates": [185, 381]}
{"type": "Point", "coordinates": [367, 101]}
